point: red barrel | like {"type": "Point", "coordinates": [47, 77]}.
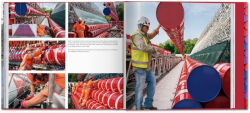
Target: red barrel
{"type": "Point", "coordinates": [32, 11]}
{"type": "Point", "coordinates": [108, 84]}
{"type": "Point", "coordinates": [61, 55]}
{"type": "Point", "coordinates": [103, 84]}
{"type": "Point", "coordinates": [219, 102]}
{"type": "Point", "coordinates": [117, 84]}
{"type": "Point", "coordinates": [58, 31]}
{"type": "Point", "coordinates": [96, 105]}
{"type": "Point", "coordinates": [115, 101]}
{"type": "Point", "coordinates": [95, 33]}
{"type": "Point", "coordinates": [204, 82]}
{"type": "Point", "coordinates": [224, 71]}
{"type": "Point", "coordinates": [93, 93]}
{"type": "Point", "coordinates": [171, 16]}
{"type": "Point", "coordinates": [105, 98]}
{"type": "Point", "coordinates": [55, 55]}
{"type": "Point", "coordinates": [102, 34]}
{"type": "Point", "coordinates": [89, 103]}
{"type": "Point", "coordinates": [182, 99]}
{"type": "Point", "coordinates": [95, 27]}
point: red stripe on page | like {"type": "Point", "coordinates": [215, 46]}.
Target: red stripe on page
{"type": "Point", "coordinates": [239, 56]}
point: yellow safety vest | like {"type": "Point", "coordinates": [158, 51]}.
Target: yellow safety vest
{"type": "Point", "coordinates": [139, 57]}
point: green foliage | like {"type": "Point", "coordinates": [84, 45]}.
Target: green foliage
{"type": "Point", "coordinates": [47, 10]}
{"type": "Point", "coordinates": [72, 78]}
{"type": "Point", "coordinates": [120, 11]}
{"type": "Point", "coordinates": [188, 46]}
{"type": "Point", "coordinates": [107, 18]}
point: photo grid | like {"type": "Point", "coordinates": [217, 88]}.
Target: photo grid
{"type": "Point", "coordinates": [37, 46]}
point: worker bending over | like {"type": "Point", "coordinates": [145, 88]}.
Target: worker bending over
{"type": "Point", "coordinates": [41, 79]}
{"type": "Point", "coordinates": [29, 58]}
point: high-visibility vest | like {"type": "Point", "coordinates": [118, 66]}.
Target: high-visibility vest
{"type": "Point", "coordinates": [139, 57]}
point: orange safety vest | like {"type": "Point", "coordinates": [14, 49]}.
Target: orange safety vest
{"type": "Point", "coordinates": [74, 27]}
{"type": "Point", "coordinates": [59, 82]}
{"type": "Point", "coordinates": [80, 30]}
{"type": "Point", "coordinates": [28, 60]}
{"type": "Point", "coordinates": [84, 86]}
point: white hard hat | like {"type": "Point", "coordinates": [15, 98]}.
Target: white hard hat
{"type": "Point", "coordinates": [144, 21]}
{"type": "Point", "coordinates": [80, 19]}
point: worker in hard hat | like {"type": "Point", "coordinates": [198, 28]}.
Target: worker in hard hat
{"type": "Point", "coordinates": [43, 30]}
{"type": "Point", "coordinates": [84, 87]}
{"type": "Point", "coordinates": [77, 86]}
{"type": "Point", "coordinates": [29, 57]}
{"type": "Point", "coordinates": [88, 90]}
{"type": "Point", "coordinates": [42, 79]}
{"type": "Point", "coordinates": [79, 28]}
{"type": "Point", "coordinates": [141, 53]}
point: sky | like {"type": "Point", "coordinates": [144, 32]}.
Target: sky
{"type": "Point", "coordinates": [196, 17]}
{"type": "Point", "coordinates": [47, 5]}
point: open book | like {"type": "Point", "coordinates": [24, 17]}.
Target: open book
{"type": "Point", "coordinates": [124, 55]}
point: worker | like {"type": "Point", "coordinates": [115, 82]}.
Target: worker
{"type": "Point", "coordinates": [76, 87]}
{"type": "Point", "coordinates": [74, 29]}
{"type": "Point", "coordinates": [43, 30]}
{"type": "Point", "coordinates": [38, 79]}
{"type": "Point", "coordinates": [29, 57]}
{"type": "Point", "coordinates": [84, 86]}
{"type": "Point", "coordinates": [141, 53]}
{"type": "Point", "coordinates": [88, 90]}
{"type": "Point", "coordinates": [79, 28]}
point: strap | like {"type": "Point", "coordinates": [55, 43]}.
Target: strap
{"type": "Point", "coordinates": [58, 89]}
{"type": "Point", "coordinates": [137, 62]}
{"type": "Point", "coordinates": [27, 66]}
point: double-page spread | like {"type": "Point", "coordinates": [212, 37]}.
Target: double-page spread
{"type": "Point", "coordinates": [124, 55]}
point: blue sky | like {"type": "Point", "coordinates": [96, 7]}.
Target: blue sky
{"type": "Point", "coordinates": [196, 17]}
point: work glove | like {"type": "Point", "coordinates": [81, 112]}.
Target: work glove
{"type": "Point", "coordinates": [30, 96]}
{"type": "Point", "coordinates": [23, 104]}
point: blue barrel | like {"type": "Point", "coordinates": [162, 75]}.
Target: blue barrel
{"type": "Point", "coordinates": [106, 11]}
{"type": "Point", "coordinates": [204, 83]}
{"type": "Point", "coordinates": [21, 9]}
{"type": "Point", "coordinates": [187, 104]}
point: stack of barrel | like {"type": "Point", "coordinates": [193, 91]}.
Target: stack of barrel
{"type": "Point", "coordinates": [203, 86]}
{"type": "Point", "coordinates": [108, 94]}
{"type": "Point", "coordinates": [99, 30]}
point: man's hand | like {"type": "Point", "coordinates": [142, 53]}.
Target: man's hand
{"type": "Point", "coordinates": [23, 104]}
{"type": "Point", "coordinates": [158, 27]}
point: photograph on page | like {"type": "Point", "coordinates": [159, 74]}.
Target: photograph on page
{"type": "Point", "coordinates": [95, 91]}
{"type": "Point", "coordinates": [36, 55]}
{"type": "Point", "coordinates": [36, 91]}
{"type": "Point", "coordinates": [96, 19]}
{"type": "Point", "coordinates": [178, 55]}
{"type": "Point", "coordinates": [37, 20]}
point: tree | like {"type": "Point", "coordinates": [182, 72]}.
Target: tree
{"type": "Point", "coordinates": [188, 46]}
{"type": "Point", "coordinates": [119, 9]}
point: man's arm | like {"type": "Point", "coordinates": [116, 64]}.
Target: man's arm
{"type": "Point", "coordinates": [154, 33]}
{"type": "Point", "coordinates": [32, 88]}
{"type": "Point", "coordinates": [140, 44]}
